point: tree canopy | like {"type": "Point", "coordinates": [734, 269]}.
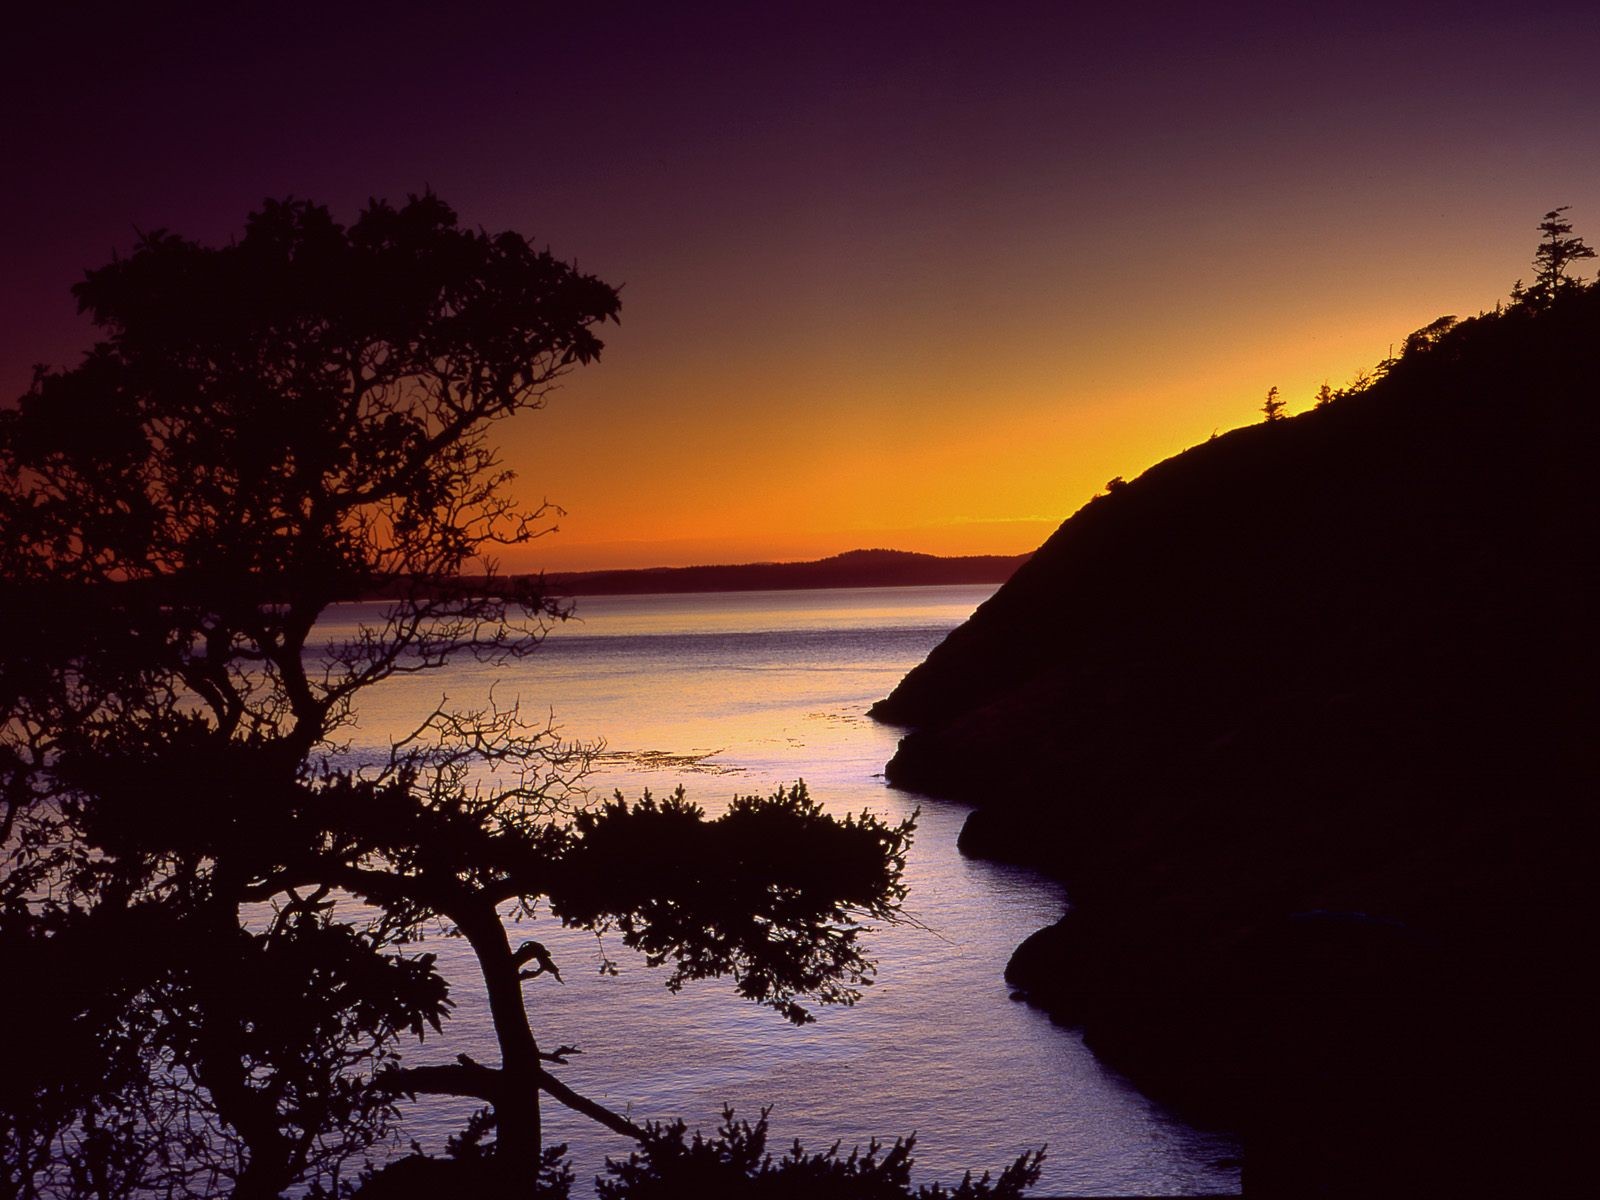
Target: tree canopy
{"type": "Point", "coordinates": [1558, 251]}
{"type": "Point", "coordinates": [207, 907]}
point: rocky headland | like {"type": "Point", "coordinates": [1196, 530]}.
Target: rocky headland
{"type": "Point", "coordinates": [1305, 719]}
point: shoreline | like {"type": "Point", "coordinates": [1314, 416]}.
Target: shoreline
{"type": "Point", "coordinates": [853, 569]}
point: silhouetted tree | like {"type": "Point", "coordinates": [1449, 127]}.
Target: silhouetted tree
{"type": "Point", "coordinates": [1556, 255]}
{"type": "Point", "coordinates": [294, 419]}
{"type": "Point", "coordinates": [1273, 406]}
{"type": "Point", "coordinates": [1429, 336]}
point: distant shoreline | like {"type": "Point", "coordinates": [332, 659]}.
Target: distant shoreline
{"type": "Point", "coordinates": [854, 568]}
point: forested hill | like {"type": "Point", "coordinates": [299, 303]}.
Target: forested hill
{"type": "Point", "coordinates": [1305, 718]}
{"type": "Point", "coordinates": [855, 568]}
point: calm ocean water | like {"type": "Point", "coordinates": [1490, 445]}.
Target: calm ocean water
{"type": "Point", "coordinates": [736, 693]}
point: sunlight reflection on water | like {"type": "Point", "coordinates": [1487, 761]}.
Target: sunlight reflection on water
{"type": "Point", "coordinates": [738, 693]}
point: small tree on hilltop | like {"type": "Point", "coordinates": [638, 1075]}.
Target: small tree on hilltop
{"type": "Point", "coordinates": [295, 419]}
{"type": "Point", "coordinates": [1273, 406]}
{"type": "Point", "coordinates": [1556, 255]}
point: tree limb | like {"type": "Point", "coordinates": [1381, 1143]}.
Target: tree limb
{"type": "Point", "coordinates": [597, 1112]}
{"type": "Point", "coordinates": [468, 1078]}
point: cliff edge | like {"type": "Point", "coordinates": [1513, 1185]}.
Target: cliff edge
{"type": "Point", "coordinates": [1304, 718]}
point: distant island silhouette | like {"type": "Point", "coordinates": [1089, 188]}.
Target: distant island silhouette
{"type": "Point", "coordinates": [1305, 719]}
{"type": "Point", "coordinates": [852, 569]}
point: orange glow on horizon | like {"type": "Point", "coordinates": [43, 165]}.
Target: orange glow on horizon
{"type": "Point", "coordinates": [676, 467]}
{"type": "Point", "coordinates": [928, 287]}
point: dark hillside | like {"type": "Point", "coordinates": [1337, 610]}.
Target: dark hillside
{"type": "Point", "coordinates": [1305, 718]}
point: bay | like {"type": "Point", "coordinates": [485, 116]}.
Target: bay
{"type": "Point", "coordinates": [738, 693]}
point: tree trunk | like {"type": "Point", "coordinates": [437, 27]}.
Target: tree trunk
{"type": "Point", "coordinates": [518, 1144]}
{"type": "Point", "coordinates": [220, 1065]}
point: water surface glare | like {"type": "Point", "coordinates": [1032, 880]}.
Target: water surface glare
{"type": "Point", "coordinates": [736, 693]}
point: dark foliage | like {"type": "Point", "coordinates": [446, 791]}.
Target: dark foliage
{"type": "Point", "coordinates": [735, 1165]}
{"type": "Point", "coordinates": [297, 418]}
{"type": "Point", "coordinates": [468, 1171]}
{"type": "Point", "coordinates": [267, 428]}
{"type": "Point", "coordinates": [769, 892]}
{"type": "Point", "coordinates": [1559, 250]}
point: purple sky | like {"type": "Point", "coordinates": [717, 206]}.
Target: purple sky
{"type": "Point", "coordinates": [926, 276]}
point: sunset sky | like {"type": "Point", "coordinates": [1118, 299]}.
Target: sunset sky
{"type": "Point", "coordinates": [912, 275]}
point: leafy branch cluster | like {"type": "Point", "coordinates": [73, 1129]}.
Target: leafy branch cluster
{"type": "Point", "coordinates": [736, 1165]}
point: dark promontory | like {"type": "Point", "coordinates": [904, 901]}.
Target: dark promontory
{"type": "Point", "coordinates": [1306, 719]}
